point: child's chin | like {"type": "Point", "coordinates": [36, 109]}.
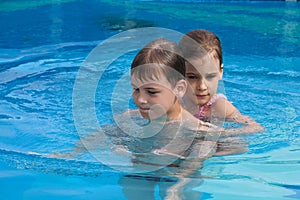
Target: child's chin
{"type": "Point", "coordinates": [202, 102]}
{"type": "Point", "coordinates": [145, 115]}
{"type": "Point", "coordinates": [152, 117]}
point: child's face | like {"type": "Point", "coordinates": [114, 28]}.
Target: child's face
{"type": "Point", "coordinates": [154, 99]}
{"type": "Point", "coordinates": [202, 75]}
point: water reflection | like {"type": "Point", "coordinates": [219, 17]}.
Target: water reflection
{"type": "Point", "coordinates": [148, 188]}
{"type": "Point", "coordinates": [149, 176]}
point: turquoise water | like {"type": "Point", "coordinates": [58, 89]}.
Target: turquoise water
{"type": "Point", "coordinates": [43, 44]}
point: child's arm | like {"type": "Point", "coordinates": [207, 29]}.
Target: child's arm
{"type": "Point", "coordinates": [198, 152]}
{"type": "Point", "coordinates": [224, 108]}
{"type": "Point", "coordinates": [67, 154]}
{"type": "Point", "coordinates": [82, 146]}
{"type": "Point", "coordinates": [92, 142]}
{"type": "Point", "coordinates": [231, 146]}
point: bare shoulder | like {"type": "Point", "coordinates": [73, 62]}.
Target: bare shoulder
{"type": "Point", "coordinates": [223, 107]}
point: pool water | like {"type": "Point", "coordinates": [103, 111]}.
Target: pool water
{"type": "Point", "coordinates": [43, 45]}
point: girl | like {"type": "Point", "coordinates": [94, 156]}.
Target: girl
{"type": "Point", "coordinates": [204, 68]}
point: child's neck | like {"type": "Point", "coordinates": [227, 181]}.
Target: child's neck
{"type": "Point", "coordinates": [175, 113]}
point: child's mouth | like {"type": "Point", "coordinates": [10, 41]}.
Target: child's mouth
{"type": "Point", "coordinates": [201, 96]}
{"type": "Point", "coordinates": [144, 110]}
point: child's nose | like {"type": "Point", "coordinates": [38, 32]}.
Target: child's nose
{"type": "Point", "coordinates": [201, 85]}
{"type": "Point", "coordinates": [142, 98]}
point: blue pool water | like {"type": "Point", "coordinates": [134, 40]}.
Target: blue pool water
{"type": "Point", "coordinates": [43, 45]}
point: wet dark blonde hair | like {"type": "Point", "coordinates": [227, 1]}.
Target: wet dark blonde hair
{"type": "Point", "coordinates": [197, 43]}
{"type": "Point", "coordinates": [159, 58]}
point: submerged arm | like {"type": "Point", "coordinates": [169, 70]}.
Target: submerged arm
{"type": "Point", "coordinates": [249, 125]}
{"type": "Point", "coordinates": [230, 113]}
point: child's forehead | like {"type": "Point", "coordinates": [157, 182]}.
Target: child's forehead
{"type": "Point", "coordinates": [203, 64]}
{"type": "Point", "coordinates": [150, 83]}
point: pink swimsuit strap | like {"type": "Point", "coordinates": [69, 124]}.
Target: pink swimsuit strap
{"type": "Point", "coordinates": [201, 114]}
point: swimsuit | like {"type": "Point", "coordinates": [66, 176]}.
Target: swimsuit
{"type": "Point", "coordinates": [203, 109]}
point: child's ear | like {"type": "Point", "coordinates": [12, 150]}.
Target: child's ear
{"type": "Point", "coordinates": [180, 88]}
{"type": "Point", "coordinates": [221, 71]}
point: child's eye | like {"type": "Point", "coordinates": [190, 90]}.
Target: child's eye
{"type": "Point", "coordinates": [212, 76]}
{"type": "Point", "coordinates": [136, 89]}
{"type": "Point", "coordinates": [151, 92]}
{"type": "Point", "coordinates": [192, 77]}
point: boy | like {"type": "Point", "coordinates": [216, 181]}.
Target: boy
{"type": "Point", "coordinates": [157, 77]}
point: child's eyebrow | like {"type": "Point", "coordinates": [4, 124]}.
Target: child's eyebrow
{"type": "Point", "coordinates": [151, 88]}
{"type": "Point", "coordinates": [147, 88]}
{"type": "Point", "coordinates": [213, 73]}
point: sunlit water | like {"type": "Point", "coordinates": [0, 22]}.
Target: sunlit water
{"type": "Point", "coordinates": [43, 45]}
